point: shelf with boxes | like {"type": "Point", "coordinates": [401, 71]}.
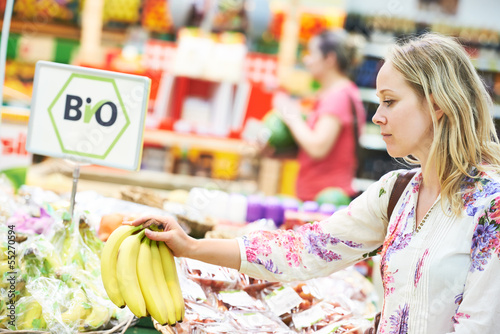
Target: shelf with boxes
{"type": "Point", "coordinates": [196, 160]}
{"type": "Point", "coordinates": [36, 28]}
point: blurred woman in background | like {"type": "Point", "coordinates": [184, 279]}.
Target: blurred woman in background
{"type": "Point", "coordinates": [327, 139]}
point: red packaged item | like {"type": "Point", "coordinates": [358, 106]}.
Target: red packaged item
{"type": "Point", "coordinates": [350, 326]}
{"type": "Point", "coordinates": [254, 286]}
{"type": "Point", "coordinates": [209, 276]}
{"type": "Point", "coordinates": [196, 314]}
{"type": "Point", "coordinates": [236, 300]}
{"type": "Point", "coordinates": [319, 316]}
{"type": "Point", "coordinates": [289, 299]}
{"type": "Point", "coordinates": [258, 323]}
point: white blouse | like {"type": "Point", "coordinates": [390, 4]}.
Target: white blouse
{"type": "Point", "coordinates": [441, 279]}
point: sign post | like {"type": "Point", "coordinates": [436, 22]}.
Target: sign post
{"type": "Point", "coordinates": [87, 116]}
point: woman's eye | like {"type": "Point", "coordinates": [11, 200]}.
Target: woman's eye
{"type": "Point", "coordinates": [388, 102]}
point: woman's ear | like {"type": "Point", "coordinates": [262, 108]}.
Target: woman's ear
{"type": "Point", "coordinates": [437, 110]}
{"type": "Point", "coordinates": [331, 59]}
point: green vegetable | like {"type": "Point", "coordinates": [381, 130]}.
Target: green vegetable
{"type": "Point", "coordinates": [333, 195]}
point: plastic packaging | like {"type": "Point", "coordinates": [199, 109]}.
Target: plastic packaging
{"type": "Point", "coordinates": [254, 286]}
{"type": "Point", "coordinates": [198, 314]}
{"type": "Point", "coordinates": [273, 209]}
{"type": "Point", "coordinates": [310, 206]}
{"type": "Point", "coordinates": [237, 300]}
{"type": "Point", "coordinates": [258, 323]}
{"type": "Point", "coordinates": [211, 277]}
{"type": "Point", "coordinates": [327, 209]}
{"type": "Point", "coordinates": [255, 208]}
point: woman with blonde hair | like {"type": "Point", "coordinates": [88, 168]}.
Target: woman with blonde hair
{"type": "Point", "coordinates": [440, 247]}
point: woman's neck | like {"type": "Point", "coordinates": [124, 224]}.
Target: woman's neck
{"type": "Point", "coordinates": [332, 79]}
{"type": "Point", "coordinates": [430, 179]}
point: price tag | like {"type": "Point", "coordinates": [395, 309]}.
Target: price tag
{"type": "Point", "coordinates": [237, 298]}
{"type": "Point", "coordinates": [251, 320]}
{"type": "Point", "coordinates": [308, 317]}
{"type": "Point", "coordinates": [283, 300]}
{"type": "Point", "coordinates": [87, 115]}
{"type": "Point", "coordinates": [191, 290]}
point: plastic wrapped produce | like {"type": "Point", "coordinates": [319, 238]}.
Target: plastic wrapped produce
{"type": "Point", "coordinates": [211, 277]}
{"type": "Point", "coordinates": [198, 314]}
{"type": "Point", "coordinates": [236, 300]}
{"type": "Point", "coordinates": [258, 323]}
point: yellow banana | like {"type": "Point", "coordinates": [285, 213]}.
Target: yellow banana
{"type": "Point", "coordinates": [109, 257]}
{"type": "Point", "coordinates": [161, 283]}
{"type": "Point", "coordinates": [154, 302]}
{"type": "Point", "coordinates": [78, 310]}
{"type": "Point", "coordinates": [4, 316]}
{"type": "Point", "coordinates": [3, 253]}
{"type": "Point", "coordinates": [31, 317]}
{"type": "Point", "coordinates": [170, 273]}
{"type": "Point", "coordinates": [126, 274]}
{"type": "Point", "coordinates": [98, 317]}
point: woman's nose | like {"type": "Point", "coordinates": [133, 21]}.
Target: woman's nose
{"type": "Point", "coordinates": [378, 118]}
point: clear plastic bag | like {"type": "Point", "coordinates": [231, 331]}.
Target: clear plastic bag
{"type": "Point", "coordinates": [226, 300]}
{"type": "Point", "coordinates": [258, 322]}
{"type": "Point", "coordinates": [254, 286]}
{"type": "Point", "coordinates": [211, 277]}
{"type": "Point", "coordinates": [198, 313]}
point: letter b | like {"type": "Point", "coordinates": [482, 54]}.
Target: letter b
{"type": "Point", "coordinates": [76, 107]}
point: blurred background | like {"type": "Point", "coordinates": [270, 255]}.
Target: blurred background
{"type": "Point", "coordinates": [215, 66]}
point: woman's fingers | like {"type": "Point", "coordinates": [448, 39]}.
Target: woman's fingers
{"type": "Point", "coordinates": [158, 236]}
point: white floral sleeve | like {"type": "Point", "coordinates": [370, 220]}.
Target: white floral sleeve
{"type": "Point", "coordinates": [323, 247]}
{"type": "Point", "coordinates": [478, 307]}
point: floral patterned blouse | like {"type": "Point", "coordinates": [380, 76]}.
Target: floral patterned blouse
{"type": "Point", "coordinates": [442, 279]}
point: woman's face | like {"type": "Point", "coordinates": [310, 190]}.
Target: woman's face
{"type": "Point", "coordinates": [314, 60]}
{"type": "Point", "coordinates": [404, 118]}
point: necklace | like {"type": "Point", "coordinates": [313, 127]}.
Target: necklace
{"type": "Point", "coordinates": [417, 228]}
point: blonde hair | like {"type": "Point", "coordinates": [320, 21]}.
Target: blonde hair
{"type": "Point", "coordinates": [439, 70]}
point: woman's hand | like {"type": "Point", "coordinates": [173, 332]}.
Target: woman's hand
{"type": "Point", "coordinates": [288, 109]}
{"type": "Point", "coordinates": [221, 252]}
{"type": "Point", "coordinates": [173, 235]}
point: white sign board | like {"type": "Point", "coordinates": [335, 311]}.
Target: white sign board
{"type": "Point", "coordinates": [87, 115]}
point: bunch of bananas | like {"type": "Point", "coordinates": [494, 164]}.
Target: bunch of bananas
{"type": "Point", "coordinates": [140, 273]}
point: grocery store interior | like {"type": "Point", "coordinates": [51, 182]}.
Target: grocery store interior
{"type": "Point", "coordinates": [212, 70]}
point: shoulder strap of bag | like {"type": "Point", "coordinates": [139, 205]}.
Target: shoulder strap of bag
{"type": "Point", "coordinates": [355, 128]}
{"type": "Point", "coordinates": [400, 185]}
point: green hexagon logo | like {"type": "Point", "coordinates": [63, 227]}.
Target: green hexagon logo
{"type": "Point", "coordinates": [88, 116]}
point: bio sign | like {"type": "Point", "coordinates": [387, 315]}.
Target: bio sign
{"type": "Point", "coordinates": [88, 115]}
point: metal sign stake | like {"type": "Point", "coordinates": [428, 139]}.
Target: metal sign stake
{"type": "Point", "coordinates": [76, 175]}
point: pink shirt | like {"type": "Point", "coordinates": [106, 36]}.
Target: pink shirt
{"type": "Point", "coordinates": [338, 168]}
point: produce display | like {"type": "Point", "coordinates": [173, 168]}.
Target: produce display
{"type": "Point", "coordinates": [69, 281]}
{"type": "Point", "coordinates": [51, 273]}
{"type": "Point", "coordinates": [221, 300]}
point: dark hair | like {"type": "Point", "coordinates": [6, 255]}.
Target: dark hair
{"type": "Point", "coordinates": [338, 42]}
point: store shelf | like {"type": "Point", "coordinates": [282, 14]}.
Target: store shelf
{"type": "Point", "coordinates": [170, 138]}
{"type": "Point", "coordinates": [372, 142]}
{"type": "Point", "coordinates": [377, 50]}
{"type": "Point", "coordinates": [362, 184]}
{"type": "Point", "coordinates": [58, 173]}
{"type": "Point", "coordinates": [369, 95]}
{"type": "Point", "coordinates": [33, 27]}
{"type": "Point", "coordinates": [495, 111]}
